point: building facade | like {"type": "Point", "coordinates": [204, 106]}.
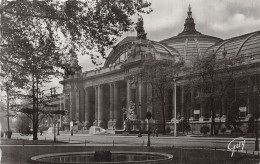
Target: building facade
{"type": "Point", "coordinates": [100, 96]}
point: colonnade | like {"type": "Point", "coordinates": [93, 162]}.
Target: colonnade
{"type": "Point", "coordinates": [101, 105]}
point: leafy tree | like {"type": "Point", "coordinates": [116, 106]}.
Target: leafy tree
{"type": "Point", "coordinates": [43, 112]}
{"type": "Point", "coordinates": [213, 76]}
{"type": "Point", "coordinates": [22, 123]}
{"type": "Point", "coordinates": [9, 85]}
{"type": "Point", "coordinates": [37, 37]}
{"type": "Point", "coordinates": [84, 25]}
{"type": "Point", "coordinates": [233, 116]}
{"type": "Point", "coordinates": [159, 74]}
{"type": "Point", "coordinates": [183, 126]}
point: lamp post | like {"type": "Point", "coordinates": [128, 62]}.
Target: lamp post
{"type": "Point", "coordinates": [148, 116]}
{"type": "Point", "coordinates": [53, 95]}
{"type": "Point", "coordinates": [140, 128]}
{"type": "Point", "coordinates": [54, 140]}
{"type": "Point", "coordinates": [58, 133]}
{"type": "Point", "coordinates": [175, 113]}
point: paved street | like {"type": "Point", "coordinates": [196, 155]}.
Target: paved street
{"type": "Point", "coordinates": [184, 148]}
{"type": "Point", "coordinates": [133, 140]}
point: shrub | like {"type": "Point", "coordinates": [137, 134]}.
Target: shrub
{"type": "Point", "coordinates": [2, 134]}
{"type": "Point", "coordinates": [223, 130]}
{"type": "Point", "coordinates": [183, 126]}
{"type": "Point", "coordinates": [8, 133]}
{"type": "Point", "coordinates": [204, 129]}
{"type": "Point", "coordinates": [236, 131]}
{"type": "Point", "coordinates": [215, 131]}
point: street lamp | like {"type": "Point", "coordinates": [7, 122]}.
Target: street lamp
{"type": "Point", "coordinates": [140, 128]}
{"type": "Point", "coordinates": [175, 113]}
{"type": "Point", "coordinates": [54, 95]}
{"type": "Point", "coordinates": [148, 116]}
{"type": "Point", "coordinates": [58, 127]}
{"type": "Point", "coordinates": [54, 130]}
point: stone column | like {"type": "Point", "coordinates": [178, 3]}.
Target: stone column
{"type": "Point", "coordinates": [82, 105]}
{"type": "Point", "coordinates": [64, 99]}
{"type": "Point", "coordinates": [144, 100]}
{"type": "Point", "coordinates": [111, 106]}
{"type": "Point", "coordinates": [149, 98]}
{"type": "Point", "coordinates": [87, 107]}
{"type": "Point", "coordinates": [77, 105]}
{"type": "Point", "coordinates": [139, 101]}
{"type": "Point", "coordinates": [67, 96]}
{"type": "Point", "coordinates": [182, 101]}
{"type": "Point", "coordinates": [116, 107]}
{"type": "Point", "coordinates": [128, 94]}
{"type": "Point", "coordinates": [100, 106]}
{"type": "Point", "coordinates": [71, 106]}
{"type": "Point", "coordinates": [250, 96]}
{"type": "Point", "coordinates": [95, 123]}
{"type": "Point", "coordinates": [192, 104]}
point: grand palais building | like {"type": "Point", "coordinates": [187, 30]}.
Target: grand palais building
{"type": "Point", "coordinates": [98, 97]}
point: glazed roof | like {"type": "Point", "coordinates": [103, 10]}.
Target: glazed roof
{"type": "Point", "coordinates": [245, 45]}
{"type": "Point", "coordinates": [190, 42]}
{"type": "Point", "coordinates": [154, 46]}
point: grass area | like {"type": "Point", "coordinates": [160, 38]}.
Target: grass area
{"type": "Point", "coordinates": [22, 154]}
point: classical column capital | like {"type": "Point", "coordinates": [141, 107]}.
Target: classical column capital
{"type": "Point", "coordinates": [96, 87]}
{"type": "Point", "coordinates": [86, 89]}
{"type": "Point", "coordinates": [111, 84]}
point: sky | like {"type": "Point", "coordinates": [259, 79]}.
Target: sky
{"type": "Point", "coordinates": [219, 18]}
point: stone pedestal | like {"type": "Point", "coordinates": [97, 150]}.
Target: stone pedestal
{"type": "Point", "coordinates": [223, 118]}
{"type": "Point", "coordinates": [96, 130]}
{"type": "Point", "coordinates": [201, 119]}
{"type": "Point", "coordinates": [112, 124]}
{"type": "Point", "coordinates": [217, 119]}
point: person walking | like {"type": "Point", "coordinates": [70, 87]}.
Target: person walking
{"type": "Point", "coordinates": [156, 132]}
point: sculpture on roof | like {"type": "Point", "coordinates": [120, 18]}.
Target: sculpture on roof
{"type": "Point", "coordinates": [140, 29]}
{"type": "Point", "coordinates": [73, 67]}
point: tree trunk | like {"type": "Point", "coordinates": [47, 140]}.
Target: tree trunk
{"type": "Point", "coordinates": [7, 108]}
{"type": "Point", "coordinates": [163, 115]}
{"type": "Point", "coordinates": [37, 104]}
{"type": "Point", "coordinates": [212, 117]}
{"type": "Point", "coordinates": [34, 112]}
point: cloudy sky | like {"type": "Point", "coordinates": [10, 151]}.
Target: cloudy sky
{"type": "Point", "coordinates": [220, 18]}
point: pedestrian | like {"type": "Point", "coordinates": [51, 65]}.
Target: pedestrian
{"type": "Point", "coordinates": [153, 132]}
{"type": "Point", "coordinates": [6, 133]}
{"type": "Point", "coordinates": [156, 132]}
{"type": "Point", "coordinates": [41, 132]}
